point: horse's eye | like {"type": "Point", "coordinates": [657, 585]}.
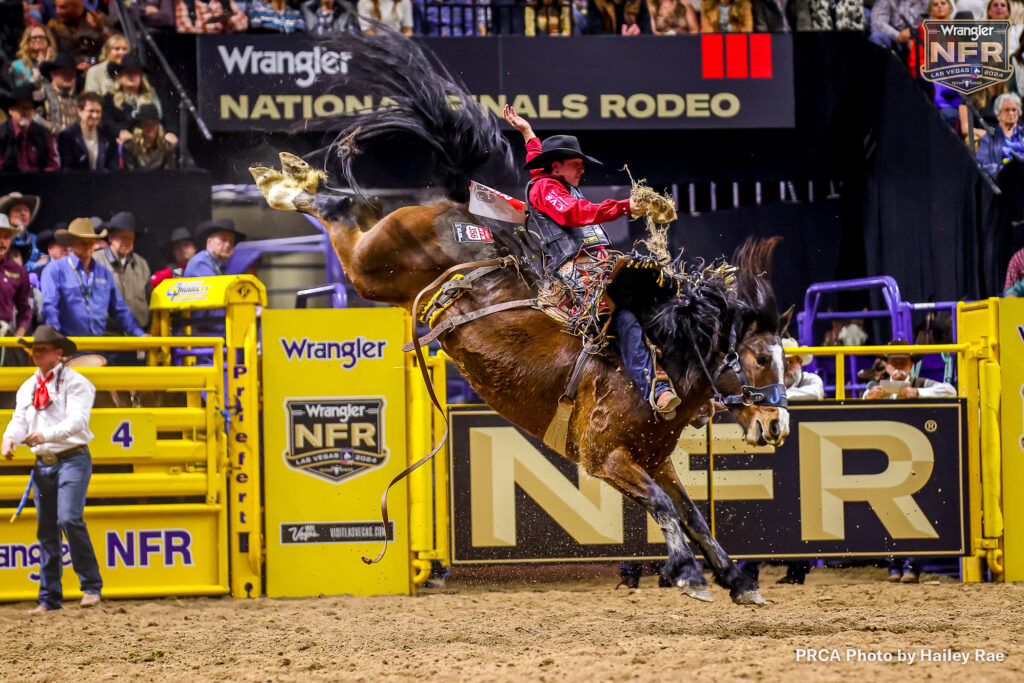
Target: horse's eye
{"type": "Point", "coordinates": [763, 361]}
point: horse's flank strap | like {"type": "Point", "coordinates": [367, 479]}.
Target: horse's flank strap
{"type": "Point", "coordinates": [449, 324]}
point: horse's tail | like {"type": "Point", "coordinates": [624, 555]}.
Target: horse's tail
{"type": "Point", "coordinates": [427, 104]}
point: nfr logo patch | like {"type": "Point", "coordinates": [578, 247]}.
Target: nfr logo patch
{"type": "Point", "coordinates": [966, 55]}
{"type": "Point", "coordinates": [335, 438]}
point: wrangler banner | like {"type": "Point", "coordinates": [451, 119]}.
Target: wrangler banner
{"type": "Point", "coordinates": [260, 82]}
{"type": "Point", "coordinates": [853, 479]}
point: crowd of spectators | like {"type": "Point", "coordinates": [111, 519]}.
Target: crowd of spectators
{"type": "Point", "coordinates": [84, 277]}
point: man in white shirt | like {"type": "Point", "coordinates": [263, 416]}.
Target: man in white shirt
{"type": "Point", "coordinates": [901, 384]}
{"type": "Point", "coordinates": [51, 417]}
{"type": "Point", "coordinates": [800, 385]}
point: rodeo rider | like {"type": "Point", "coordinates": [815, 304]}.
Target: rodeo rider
{"type": "Point", "coordinates": [51, 417]}
{"type": "Point", "coordinates": [570, 229]}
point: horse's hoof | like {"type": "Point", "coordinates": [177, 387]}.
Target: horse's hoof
{"type": "Point", "coordinates": [696, 592]}
{"type": "Point", "coordinates": [751, 597]}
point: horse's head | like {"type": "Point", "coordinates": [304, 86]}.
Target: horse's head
{"type": "Point", "coordinates": [725, 340]}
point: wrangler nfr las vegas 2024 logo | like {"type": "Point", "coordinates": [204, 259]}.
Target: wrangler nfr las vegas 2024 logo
{"type": "Point", "coordinates": [966, 55]}
{"type": "Point", "coordinates": [335, 438]}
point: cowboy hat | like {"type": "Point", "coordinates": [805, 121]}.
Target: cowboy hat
{"type": "Point", "coordinates": [180, 234]}
{"type": "Point", "coordinates": [62, 61]}
{"type": "Point", "coordinates": [25, 92]}
{"type": "Point", "coordinates": [558, 148]}
{"type": "Point", "coordinates": [123, 220]}
{"type": "Point", "coordinates": [129, 61]}
{"type": "Point", "coordinates": [44, 239]}
{"type": "Point", "coordinates": [47, 334]}
{"type": "Point", "coordinates": [82, 228]}
{"type": "Point", "coordinates": [147, 112]}
{"type": "Point", "coordinates": [914, 358]}
{"type": "Point", "coordinates": [207, 228]}
{"type": "Point", "coordinates": [790, 343]}
{"type": "Point", "coordinates": [12, 199]}
{"type": "Point", "coordinates": [5, 224]}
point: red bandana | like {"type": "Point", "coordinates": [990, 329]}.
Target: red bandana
{"type": "Point", "coordinates": [41, 398]}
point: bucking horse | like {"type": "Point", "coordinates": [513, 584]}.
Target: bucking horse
{"type": "Point", "coordinates": [717, 329]}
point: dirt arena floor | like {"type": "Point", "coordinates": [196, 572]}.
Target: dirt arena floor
{"type": "Point", "coordinates": [546, 624]}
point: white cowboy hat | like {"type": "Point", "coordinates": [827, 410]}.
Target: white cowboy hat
{"type": "Point", "coordinates": [5, 224]}
{"type": "Point", "coordinates": [790, 343]}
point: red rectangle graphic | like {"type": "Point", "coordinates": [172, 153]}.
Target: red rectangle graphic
{"type": "Point", "coordinates": [712, 55]}
{"type": "Point", "coordinates": [736, 55]}
{"type": "Point", "coordinates": [761, 55]}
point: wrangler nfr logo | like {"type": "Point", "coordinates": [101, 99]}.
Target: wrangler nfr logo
{"type": "Point", "coordinates": [966, 55]}
{"type": "Point", "coordinates": [335, 439]}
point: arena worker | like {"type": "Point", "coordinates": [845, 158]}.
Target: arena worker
{"type": "Point", "coordinates": [220, 238]}
{"type": "Point", "coordinates": [79, 294]}
{"type": "Point", "coordinates": [131, 271]}
{"type": "Point", "coordinates": [51, 417]}
{"type": "Point", "coordinates": [570, 230]}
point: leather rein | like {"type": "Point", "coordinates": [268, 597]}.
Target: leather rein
{"type": "Point", "coordinates": [771, 395]}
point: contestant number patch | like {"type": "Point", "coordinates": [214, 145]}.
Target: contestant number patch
{"type": "Point", "coordinates": [469, 232]}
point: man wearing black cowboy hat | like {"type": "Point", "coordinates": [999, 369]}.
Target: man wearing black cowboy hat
{"type": "Point", "coordinates": [60, 92]}
{"type": "Point", "coordinates": [24, 144]}
{"type": "Point", "coordinates": [149, 148]}
{"type": "Point", "coordinates": [903, 383]}
{"type": "Point", "coordinates": [88, 145]}
{"type": "Point", "coordinates": [570, 229]}
{"type": "Point", "coordinates": [181, 248]}
{"type": "Point", "coordinates": [131, 272]}
{"type": "Point", "coordinates": [219, 238]}
{"type": "Point", "coordinates": [51, 416]}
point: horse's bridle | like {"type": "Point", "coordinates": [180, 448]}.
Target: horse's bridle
{"type": "Point", "coordinates": [771, 395]}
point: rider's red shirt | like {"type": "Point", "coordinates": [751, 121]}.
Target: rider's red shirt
{"type": "Point", "coordinates": [551, 197]}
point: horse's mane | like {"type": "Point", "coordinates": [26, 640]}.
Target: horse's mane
{"type": "Point", "coordinates": [463, 138]}
{"type": "Point", "coordinates": [692, 327]}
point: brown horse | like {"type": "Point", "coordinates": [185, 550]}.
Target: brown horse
{"type": "Point", "coordinates": [519, 360]}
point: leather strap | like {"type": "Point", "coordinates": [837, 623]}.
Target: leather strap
{"type": "Point", "coordinates": [451, 322]}
{"type": "Point", "coordinates": [576, 376]}
{"type": "Point", "coordinates": [502, 262]}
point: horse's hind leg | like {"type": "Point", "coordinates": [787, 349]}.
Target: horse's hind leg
{"type": "Point", "coordinates": [622, 472]}
{"type": "Point", "coordinates": [741, 587]}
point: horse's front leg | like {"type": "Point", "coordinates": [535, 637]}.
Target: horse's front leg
{"type": "Point", "coordinates": [741, 587]}
{"type": "Point", "coordinates": [623, 473]}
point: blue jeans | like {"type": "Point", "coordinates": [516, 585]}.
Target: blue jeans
{"type": "Point", "coordinates": [635, 354]}
{"type": "Point", "coordinates": [60, 499]}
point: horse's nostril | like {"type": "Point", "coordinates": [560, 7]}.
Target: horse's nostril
{"type": "Point", "coordinates": [774, 429]}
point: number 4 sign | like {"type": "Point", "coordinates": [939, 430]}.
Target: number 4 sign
{"type": "Point", "coordinates": [123, 434]}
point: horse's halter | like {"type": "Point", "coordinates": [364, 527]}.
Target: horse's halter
{"type": "Point", "coordinates": [771, 395]}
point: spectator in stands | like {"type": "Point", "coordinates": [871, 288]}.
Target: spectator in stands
{"type": "Point", "coordinates": [24, 144]}
{"type": "Point", "coordinates": [903, 379]}
{"type": "Point", "coordinates": [548, 18]}
{"type": "Point", "coordinates": [181, 249]}
{"type": "Point", "coordinates": [79, 296]}
{"type": "Point", "coordinates": [100, 77]}
{"type": "Point", "coordinates": [893, 23]}
{"type": "Point", "coordinates": [15, 309]}
{"type": "Point", "coordinates": [87, 145]}
{"type": "Point", "coordinates": [37, 46]}
{"type": "Point", "coordinates": [149, 148]}
{"type": "Point", "coordinates": [215, 16]}
{"type": "Point", "coordinates": [60, 96]}
{"type": "Point", "coordinates": [618, 17]}
{"type": "Point", "coordinates": [21, 210]}
{"type": "Point", "coordinates": [726, 16]}
{"type": "Point", "coordinates": [131, 272]}
{"type": "Point", "coordinates": [220, 238]}
{"type": "Point", "coordinates": [154, 14]}
{"type": "Point", "coordinates": [999, 10]}
{"type": "Point", "coordinates": [674, 18]}
{"type": "Point", "coordinates": [327, 17]}
{"type": "Point", "coordinates": [1014, 286]}
{"type": "Point", "coordinates": [455, 18]}
{"type": "Point", "coordinates": [395, 14]}
{"type": "Point", "coordinates": [78, 32]}
{"type": "Point", "coordinates": [274, 16]}
{"type": "Point", "coordinates": [782, 16]}
{"type": "Point", "coordinates": [130, 93]}
{"type": "Point", "coordinates": [1006, 142]}
{"type": "Point", "coordinates": [983, 102]}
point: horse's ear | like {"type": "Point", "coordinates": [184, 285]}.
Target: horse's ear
{"type": "Point", "coordinates": [785, 319]}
